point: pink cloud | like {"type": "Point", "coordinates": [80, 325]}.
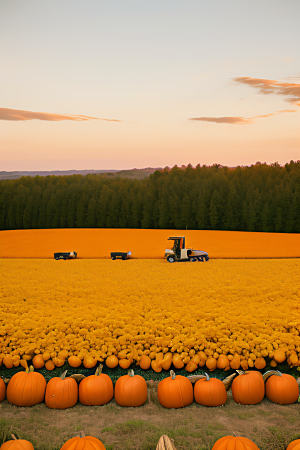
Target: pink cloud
{"type": "Point", "coordinates": [239, 120]}
{"type": "Point", "coordinates": [290, 90]}
{"type": "Point", "coordinates": [16, 114]}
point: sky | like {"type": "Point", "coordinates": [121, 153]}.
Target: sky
{"type": "Point", "coordinates": [122, 84]}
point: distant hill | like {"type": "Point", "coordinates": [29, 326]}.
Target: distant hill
{"type": "Point", "coordinates": [137, 174]}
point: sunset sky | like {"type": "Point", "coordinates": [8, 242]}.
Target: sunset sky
{"type": "Point", "coordinates": [118, 84]}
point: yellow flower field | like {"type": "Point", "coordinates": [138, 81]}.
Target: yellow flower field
{"type": "Point", "coordinates": [224, 313]}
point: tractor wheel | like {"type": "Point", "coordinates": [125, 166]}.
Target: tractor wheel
{"type": "Point", "coordinates": [171, 259]}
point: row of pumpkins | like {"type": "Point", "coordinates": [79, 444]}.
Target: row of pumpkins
{"type": "Point", "coordinates": [248, 388]}
{"type": "Point", "coordinates": [158, 361]}
{"type": "Point", "coordinates": [83, 442]}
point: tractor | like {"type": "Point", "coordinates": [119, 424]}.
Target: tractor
{"type": "Point", "coordinates": [180, 253]}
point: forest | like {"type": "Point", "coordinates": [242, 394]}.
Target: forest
{"type": "Point", "coordinates": [260, 197]}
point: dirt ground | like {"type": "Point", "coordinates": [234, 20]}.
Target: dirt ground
{"type": "Point", "coordinates": [270, 426]}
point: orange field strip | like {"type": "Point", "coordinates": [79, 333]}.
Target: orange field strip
{"type": "Point", "coordinates": [98, 243]}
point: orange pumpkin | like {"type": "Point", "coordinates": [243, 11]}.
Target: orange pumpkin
{"type": "Point", "coordinates": [38, 361]}
{"type": "Point", "coordinates": [131, 390]}
{"type": "Point", "coordinates": [210, 392]}
{"type": "Point", "coordinates": [211, 363]}
{"type": "Point", "coordinates": [89, 362]}
{"type": "Point", "coordinates": [125, 363]}
{"type": "Point", "coordinates": [26, 388]}
{"type": "Point", "coordinates": [2, 390]}
{"type": "Point", "coordinates": [222, 362]}
{"type": "Point", "coordinates": [175, 391]}
{"type": "Point", "coordinates": [237, 443]}
{"type": "Point", "coordinates": [294, 445]}
{"type": "Point", "coordinates": [50, 365]}
{"type": "Point", "coordinates": [8, 361]}
{"type": "Point", "coordinates": [83, 442]}
{"type": "Point", "coordinates": [279, 355]}
{"type": "Point", "coordinates": [260, 363]}
{"type": "Point", "coordinates": [61, 392]}
{"type": "Point", "coordinates": [112, 361]}
{"type": "Point", "coordinates": [17, 444]}
{"type": "Point", "coordinates": [248, 388]}
{"type": "Point", "coordinates": [281, 388]}
{"type": "Point", "coordinates": [177, 361]}
{"type": "Point", "coordinates": [96, 390]}
{"type": "Point", "coordinates": [74, 361]}
{"type": "Point", "coordinates": [145, 362]}
{"type": "Point", "coordinates": [167, 361]}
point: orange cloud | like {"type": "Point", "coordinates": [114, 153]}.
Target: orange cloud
{"type": "Point", "coordinates": [16, 114]}
{"type": "Point", "coordinates": [239, 120]}
{"type": "Point", "coordinates": [291, 90]}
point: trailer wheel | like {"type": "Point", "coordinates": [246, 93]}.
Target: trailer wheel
{"type": "Point", "coordinates": [193, 259]}
{"type": "Point", "coordinates": [200, 258]}
{"type": "Point", "coordinates": [113, 258]}
{"type": "Point", "coordinates": [171, 259]}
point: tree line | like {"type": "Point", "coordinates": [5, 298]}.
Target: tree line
{"type": "Point", "coordinates": [258, 198]}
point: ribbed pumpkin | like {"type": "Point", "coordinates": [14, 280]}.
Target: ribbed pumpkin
{"type": "Point", "coordinates": [2, 390]}
{"type": "Point", "coordinates": [248, 388]}
{"type": "Point", "coordinates": [17, 444]}
{"type": "Point", "coordinates": [294, 445]}
{"type": "Point", "coordinates": [26, 388]}
{"type": "Point", "coordinates": [234, 443]}
{"type": "Point", "coordinates": [131, 390]}
{"type": "Point", "coordinates": [175, 391]}
{"type": "Point", "coordinates": [210, 392]}
{"type": "Point", "coordinates": [83, 442]}
{"type": "Point", "coordinates": [96, 390]}
{"type": "Point", "coordinates": [61, 392]}
{"type": "Point", "coordinates": [281, 388]}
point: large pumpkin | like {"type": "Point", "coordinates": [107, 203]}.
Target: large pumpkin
{"type": "Point", "coordinates": [281, 387]}
{"type": "Point", "coordinates": [234, 443]}
{"type": "Point", "coordinates": [175, 391]}
{"type": "Point", "coordinates": [96, 390]}
{"type": "Point", "coordinates": [61, 392]}
{"type": "Point", "coordinates": [294, 445]}
{"type": "Point", "coordinates": [210, 392]}
{"type": "Point", "coordinates": [2, 390]}
{"type": "Point", "coordinates": [17, 444]}
{"type": "Point", "coordinates": [131, 390]}
{"type": "Point", "coordinates": [83, 442]}
{"type": "Point", "coordinates": [26, 388]}
{"type": "Point", "coordinates": [248, 388]}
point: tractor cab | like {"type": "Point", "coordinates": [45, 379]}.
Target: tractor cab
{"type": "Point", "coordinates": [179, 244]}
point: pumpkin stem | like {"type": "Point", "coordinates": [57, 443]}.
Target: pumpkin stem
{"type": "Point", "coordinates": [271, 372]}
{"type": "Point", "coordinates": [31, 369]}
{"type": "Point", "coordinates": [99, 370]}
{"type": "Point", "coordinates": [81, 434]}
{"type": "Point", "coordinates": [172, 373]}
{"type": "Point", "coordinates": [63, 375]}
{"type": "Point", "coordinates": [241, 372]}
{"type": "Point", "coordinates": [13, 437]}
{"type": "Point", "coordinates": [131, 373]}
{"type": "Point", "coordinates": [298, 381]}
{"type": "Point", "coordinates": [207, 376]}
